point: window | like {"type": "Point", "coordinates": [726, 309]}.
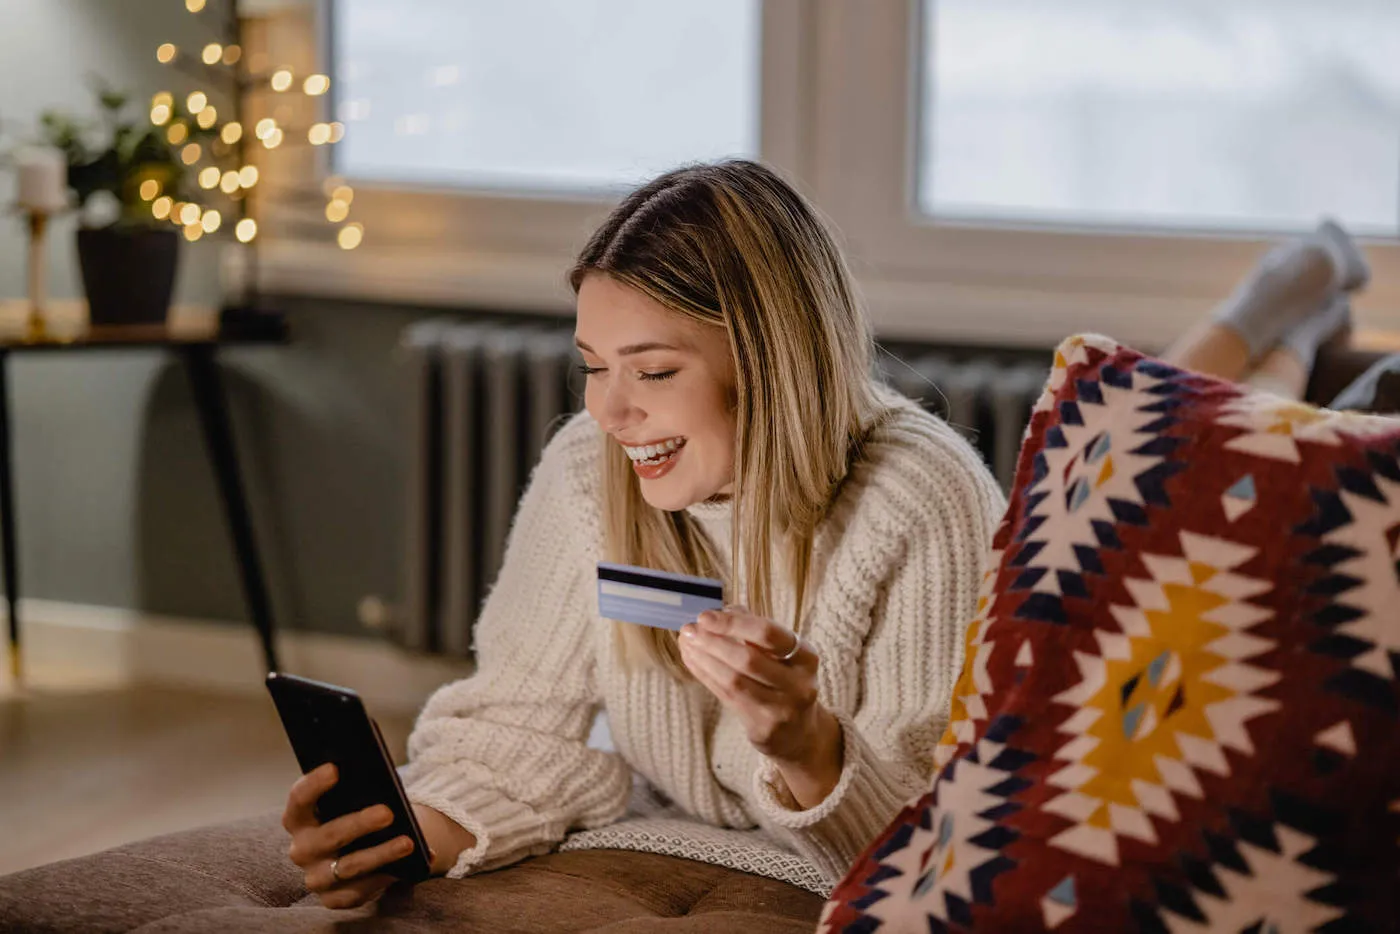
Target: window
{"type": "Point", "coordinates": [544, 95]}
{"type": "Point", "coordinates": [1235, 115]}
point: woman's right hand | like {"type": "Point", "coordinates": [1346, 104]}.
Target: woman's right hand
{"type": "Point", "coordinates": [315, 845]}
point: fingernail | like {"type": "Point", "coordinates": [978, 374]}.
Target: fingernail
{"type": "Point", "coordinates": [405, 845]}
{"type": "Point", "coordinates": [688, 631]}
{"type": "Point", "coordinates": [384, 815]}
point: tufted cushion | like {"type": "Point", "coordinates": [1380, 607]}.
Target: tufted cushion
{"type": "Point", "coordinates": [1179, 706]}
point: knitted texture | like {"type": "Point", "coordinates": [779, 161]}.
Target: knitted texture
{"type": "Point", "coordinates": [897, 566]}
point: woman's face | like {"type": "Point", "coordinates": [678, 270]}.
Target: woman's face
{"type": "Point", "coordinates": [662, 386]}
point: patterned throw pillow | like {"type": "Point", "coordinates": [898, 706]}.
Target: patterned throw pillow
{"type": "Point", "coordinates": [1179, 706]}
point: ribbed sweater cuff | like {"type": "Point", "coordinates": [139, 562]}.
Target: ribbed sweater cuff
{"type": "Point", "coordinates": [832, 834]}
{"type": "Point", "coordinates": [504, 829]}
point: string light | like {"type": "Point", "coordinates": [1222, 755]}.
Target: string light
{"type": "Point", "coordinates": [211, 221]}
{"type": "Point", "coordinates": [265, 127]}
{"type": "Point", "coordinates": [197, 101]}
{"type": "Point", "coordinates": [212, 53]}
{"type": "Point", "coordinates": [160, 114]}
{"type": "Point", "coordinates": [164, 98]}
{"type": "Point", "coordinates": [190, 154]}
{"type": "Point", "coordinates": [232, 132]}
{"type": "Point", "coordinates": [343, 193]}
{"type": "Point", "coordinates": [337, 211]}
{"type": "Point", "coordinates": [248, 176]}
{"type": "Point", "coordinates": [319, 134]}
{"type": "Point", "coordinates": [194, 6]}
{"type": "Point", "coordinates": [161, 207]}
{"type": "Point", "coordinates": [207, 117]}
{"type": "Point", "coordinates": [232, 54]}
{"type": "Point", "coordinates": [281, 80]}
{"type": "Point", "coordinates": [350, 236]}
{"type": "Point", "coordinates": [273, 140]}
{"type": "Point", "coordinates": [316, 85]}
{"type": "Point", "coordinates": [337, 132]}
{"type": "Point", "coordinates": [166, 53]}
{"type": "Point", "coordinates": [193, 232]}
{"type": "Point", "coordinates": [245, 230]}
{"type": "Point", "coordinates": [209, 177]}
{"type": "Point", "coordinates": [149, 189]}
{"type": "Point", "coordinates": [229, 183]}
{"type": "Point", "coordinates": [177, 133]}
{"type": "Point", "coordinates": [189, 213]}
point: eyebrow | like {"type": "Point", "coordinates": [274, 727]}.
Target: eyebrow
{"type": "Point", "coordinates": [632, 349]}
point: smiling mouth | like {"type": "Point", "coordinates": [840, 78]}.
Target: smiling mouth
{"type": "Point", "coordinates": [650, 455]}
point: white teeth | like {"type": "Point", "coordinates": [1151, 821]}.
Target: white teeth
{"type": "Point", "coordinates": [649, 452]}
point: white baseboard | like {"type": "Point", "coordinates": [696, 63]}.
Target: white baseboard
{"type": "Point", "coordinates": [73, 644]}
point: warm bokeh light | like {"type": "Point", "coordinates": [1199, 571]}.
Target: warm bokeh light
{"type": "Point", "coordinates": [273, 140]}
{"type": "Point", "coordinates": [194, 6]}
{"type": "Point", "coordinates": [177, 133]}
{"type": "Point", "coordinates": [232, 54]}
{"type": "Point", "coordinates": [337, 132]}
{"type": "Point", "coordinates": [196, 102]}
{"type": "Point", "coordinates": [232, 132]}
{"type": "Point", "coordinates": [228, 184]}
{"type": "Point", "coordinates": [211, 221]}
{"type": "Point", "coordinates": [160, 114]}
{"type": "Point", "coordinates": [193, 232]}
{"type": "Point", "coordinates": [281, 80]}
{"type": "Point", "coordinates": [343, 193]}
{"type": "Point", "coordinates": [319, 134]}
{"type": "Point", "coordinates": [149, 189]}
{"type": "Point", "coordinates": [163, 97]}
{"type": "Point", "coordinates": [165, 54]}
{"type": "Point", "coordinates": [161, 207]}
{"type": "Point", "coordinates": [265, 127]}
{"type": "Point", "coordinates": [209, 177]}
{"type": "Point", "coordinates": [212, 53]}
{"type": "Point", "coordinates": [207, 117]}
{"type": "Point", "coordinates": [350, 236]}
{"type": "Point", "coordinates": [190, 154]}
{"type": "Point", "coordinates": [316, 85]}
{"type": "Point", "coordinates": [248, 176]}
{"type": "Point", "coordinates": [245, 230]}
{"type": "Point", "coordinates": [337, 211]}
{"type": "Point", "coordinates": [189, 213]}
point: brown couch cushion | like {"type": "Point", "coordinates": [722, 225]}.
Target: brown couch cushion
{"type": "Point", "coordinates": [236, 877]}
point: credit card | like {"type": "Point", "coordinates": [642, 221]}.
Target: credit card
{"type": "Point", "coordinates": [655, 598]}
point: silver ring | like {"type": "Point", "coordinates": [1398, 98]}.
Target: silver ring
{"type": "Point", "coordinates": [335, 870]}
{"type": "Point", "coordinates": [792, 652]}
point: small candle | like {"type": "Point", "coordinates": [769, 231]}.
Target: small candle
{"type": "Point", "coordinates": [43, 180]}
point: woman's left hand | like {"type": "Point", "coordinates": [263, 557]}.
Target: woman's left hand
{"type": "Point", "coordinates": [740, 658]}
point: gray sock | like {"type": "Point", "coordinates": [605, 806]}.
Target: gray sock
{"type": "Point", "coordinates": [1308, 335]}
{"type": "Point", "coordinates": [1353, 271]}
{"type": "Point", "coordinates": [1291, 281]}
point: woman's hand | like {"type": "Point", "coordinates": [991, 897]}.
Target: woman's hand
{"type": "Point", "coordinates": [740, 658]}
{"type": "Point", "coordinates": [348, 881]}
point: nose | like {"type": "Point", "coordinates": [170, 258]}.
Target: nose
{"type": "Point", "coordinates": [616, 411]}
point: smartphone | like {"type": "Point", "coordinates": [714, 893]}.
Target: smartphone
{"type": "Point", "coordinates": [328, 723]}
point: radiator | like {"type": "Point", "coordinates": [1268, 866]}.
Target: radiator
{"type": "Point", "coordinates": [485, 398]}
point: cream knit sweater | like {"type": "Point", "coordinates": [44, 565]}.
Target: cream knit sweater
{"type": "Point", "coordinates": [898, 563]}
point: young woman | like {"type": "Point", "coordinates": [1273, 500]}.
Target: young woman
{"type": "Point", "coordinates": [732, 430]}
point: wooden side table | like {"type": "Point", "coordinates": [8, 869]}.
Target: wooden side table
{"type": "Point", "coordinates": [195, 336]}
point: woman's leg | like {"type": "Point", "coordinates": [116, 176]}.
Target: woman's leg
{"type": "Point", "coordinates": [1286, 369]}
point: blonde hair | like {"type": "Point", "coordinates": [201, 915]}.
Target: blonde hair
{"type": "Point", "coordinates": [732, 245]}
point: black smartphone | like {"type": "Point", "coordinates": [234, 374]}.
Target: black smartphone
{"type": "Point", "coordinates": [328, 723]}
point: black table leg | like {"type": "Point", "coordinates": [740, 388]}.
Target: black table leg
{"type": "Point", "coordinates": [7, 518]}
{"type": "Point", "coordinates": [218, 438]}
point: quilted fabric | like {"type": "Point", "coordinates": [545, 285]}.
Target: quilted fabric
{"type": "Point", "coordinates": [1179, 706]}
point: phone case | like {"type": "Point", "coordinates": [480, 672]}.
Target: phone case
{"type": "Point", "coordinates": [328, 723]}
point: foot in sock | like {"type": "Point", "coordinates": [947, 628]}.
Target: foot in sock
{"type": "Point", "coordinates": [1293, 280]}
{"type": "Point", "coordinates": [1308, 336]}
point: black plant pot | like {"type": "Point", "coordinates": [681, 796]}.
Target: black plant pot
{"type": "Point", "coordinates": [128, 274]}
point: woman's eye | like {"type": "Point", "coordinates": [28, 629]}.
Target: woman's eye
{"type": "Point", "coordinates": [587, 370]}
{"type": "Point", "coordinates": [658, 376]}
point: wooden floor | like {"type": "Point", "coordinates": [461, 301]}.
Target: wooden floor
{"type": "Point", "coordinates": [86, 768]}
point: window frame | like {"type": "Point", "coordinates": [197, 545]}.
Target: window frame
{"type": "Point", "coordinates": [839, 114]}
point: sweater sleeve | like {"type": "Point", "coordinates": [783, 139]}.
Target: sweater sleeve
{"type": "Point", "coordinates": [503, 752]}
{"type": "Point", "coordinates": [908, 665]}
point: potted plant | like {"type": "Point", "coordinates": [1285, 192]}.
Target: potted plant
{"type": "Point", "coordinates": [115, 168]}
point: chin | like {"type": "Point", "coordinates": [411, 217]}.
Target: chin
{"type": "Point", "coordinates": [667, 500]}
